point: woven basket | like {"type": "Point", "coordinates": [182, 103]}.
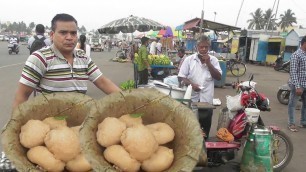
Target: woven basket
{"type": "Point", "coordinates": [157, 107]}
{"type": "Point", "coordinates": [74, 105]}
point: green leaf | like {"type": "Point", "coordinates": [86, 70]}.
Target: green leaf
{"type": "Point", "coordinates": [136, 115]}
{"type": "Point", "coordinates": [63, 117]}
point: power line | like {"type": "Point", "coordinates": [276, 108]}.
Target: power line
{"type": "Point", "coordinates": [239, 12]}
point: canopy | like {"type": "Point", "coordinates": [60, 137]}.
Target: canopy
{"type": "Point", "coordinates": [129, 25]}
{"type": "Point", "coordinates": [179, 27]}
{"type": "Point", "coordinates": [194, 25]}
{"type": "Point", "coordinates": [152, 34]}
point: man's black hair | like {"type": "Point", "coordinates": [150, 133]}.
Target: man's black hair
{"type": "Point", "coordinates": [303, 40]}
{"type": "Point", "coordinates": [40, 29]}
{"type": "Point", "coordinates": [144, 40]}
{"type": "Point", "coordinates": [182, 50]}
{"type": "Point", "coordinates": [62, 17]}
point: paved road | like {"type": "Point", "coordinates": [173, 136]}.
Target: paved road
{"type": "Point", "coordinates": [268, 82]}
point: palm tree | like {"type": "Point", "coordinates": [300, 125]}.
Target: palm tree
{"type": "Point", "coordinates": [269, 20]}
{"type": "Point", "coordinates": [257, 20]}
{"type": "Point", "coordinates": [287, 19]}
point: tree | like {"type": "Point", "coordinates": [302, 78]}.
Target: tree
{"type": "Point", "coordinates": [22, 27]}
{"type": "Point", "coordinates": [257, 20]}
{"type": "Point", "coordinates": [82, 29]}
{"type": "Point", "coordinates": [287, 19]}
{"type": "Point", "coordinates": [269, 20]}
{"type": "Point", "coordinates": [32, 25]}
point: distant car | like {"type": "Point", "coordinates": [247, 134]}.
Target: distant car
{"type": "Point", "coordinates": [96, 44]}
{"type": "Point", "coordinates": [6, 38]}
{"type": "Point", "coordinates": [2, 38]}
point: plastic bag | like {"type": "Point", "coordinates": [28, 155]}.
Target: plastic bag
{"type": "Point", "coordinates": [224, 118]}
{"type": "Point", "coordinates": [225, 135]}
{"type": "Point", "coordinates": [233, 102]}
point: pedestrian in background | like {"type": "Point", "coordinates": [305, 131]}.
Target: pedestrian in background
{"type": "Point", "coordinates": [159, 47]}
{"type": "Point", "coordinates": [143, 66]}
{"type": "Point", "coordinates": [83, 45]}
{"type": "Point", "coordinates": [153, 47]}
{"type": "Point", "coordinates": [297, 83]}
{"type": "Point", "coordinates": [39, 40]}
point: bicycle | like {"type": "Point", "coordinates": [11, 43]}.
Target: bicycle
{"type": "Point", "coordinates": [236, 67]}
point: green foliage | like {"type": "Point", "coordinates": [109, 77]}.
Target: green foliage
{"type": "Point", "coordinates": [63, 117]}
{"type": "Point", "coordinates": [136, 115]}
{"type": "Point", "coordinates": [267, 20]}
{"type": "Point", "coordinates": [127, 85]}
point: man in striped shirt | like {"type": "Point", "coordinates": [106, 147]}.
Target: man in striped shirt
{"type": "Point", "coordinates": [297, 83]}
{"type": "Point", "coordinates": [60, 67]}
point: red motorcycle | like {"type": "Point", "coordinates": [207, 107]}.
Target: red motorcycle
{"type": "Point", "coordinates": [219, 151]}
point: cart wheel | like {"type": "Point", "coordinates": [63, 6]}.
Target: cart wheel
{"type": "Point", "coordinates": [238, 69]}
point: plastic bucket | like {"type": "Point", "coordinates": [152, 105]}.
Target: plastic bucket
{"type": "Point", "coordinates": [252, 114]}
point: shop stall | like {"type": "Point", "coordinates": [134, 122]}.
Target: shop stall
{"type": "Point", "coordinates": [292, 42]}
{"type": "Point", "coordinates": [253, 44]}
{"type": "Point", "coordinates": [276, 45]}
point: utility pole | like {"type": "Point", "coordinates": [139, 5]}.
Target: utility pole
{"type": "Point", "coordinates": [202, 18]}
{"type": "Point", "coordinates": [239, 12]}
{"type": "Point", "coordinates": [215, 16]}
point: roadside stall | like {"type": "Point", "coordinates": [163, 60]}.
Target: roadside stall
{"type": "Point", "coordinates": [253, 44]}
{"type": "Point", "coordinates": [262, 48]}
{"type": "Point", "coordinates": [292, 42]}
{"type": "Point", "coordinates": [276, 45]}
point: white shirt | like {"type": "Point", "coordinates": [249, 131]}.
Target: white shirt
{"type": "Point", "coordinates": [87, 48]}
{"type": "Point", "coordinates": [13, 40]}
{"type": "Point", "coordinates": [198, 73]}
{"type": "Point", "coordinates": [159, 48]}
{"type": "Point", "coordinates": [153, 48]}
{"type": "Point", "coordinates": [32, 39]}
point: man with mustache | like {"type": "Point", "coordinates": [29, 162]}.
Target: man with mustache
{"type": "Point", "coordinates": [60, 67]}
{"type": "Point", "coordinates": [199, 70]}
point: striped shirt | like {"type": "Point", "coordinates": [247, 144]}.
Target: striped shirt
{"type": "Point", "coordinates": [48, 71]}
{"type": "Point", "coordinates": [298, 69]}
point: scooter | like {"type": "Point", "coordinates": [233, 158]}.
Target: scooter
{"type": "Point", "coordinates": [219, 151]}
{"type": "Point", "coordinates": [281, 65]}
{"type": "Point", "coordinates": [13, 48]}
{"type": "Point", "coordinates": [283, 94]}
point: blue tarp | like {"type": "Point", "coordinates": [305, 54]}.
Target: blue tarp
{"type": "Point", "coordinates": [179, 27]}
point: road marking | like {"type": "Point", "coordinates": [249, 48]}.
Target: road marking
{"type": "Point", "coordinates": [11, 65]}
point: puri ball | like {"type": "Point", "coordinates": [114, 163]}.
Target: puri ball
{"type": "Point", "coordinates": [33, 133]}
{"type": "Point", "coordinates": [139, 142]}
{"type": "Point", "coordinates": [161, 160]}
{"type": "Point", "coordinates": [118, 156]}
{"type": "Point", "coordinates": [110, 131]}
{"type": "Point", "coordinates": [78, 164]}
{"type": "Point", "coordinates": [162, 132]}
{"type": "Point", "coordinates": [54, 123]}
{"type": "Point", "coordinates": [41, 156]}
{"type": "Point", "coordinates": [63, 143]}
{"type": "Point", "coordinates": [130, 121]}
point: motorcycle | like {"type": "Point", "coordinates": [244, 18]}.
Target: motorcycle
{"type": "Point", "coordinates": [13, 48]}
{"type": "Point", "coordinates": [281, 65]}
{"type": "Point", "coordinates": [240, 126]}
{"type": "Point", "coordinates": [283, 94]}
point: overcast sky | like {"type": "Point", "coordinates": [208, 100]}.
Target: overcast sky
{"type": "Point", "coordinates": [95, 13]}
